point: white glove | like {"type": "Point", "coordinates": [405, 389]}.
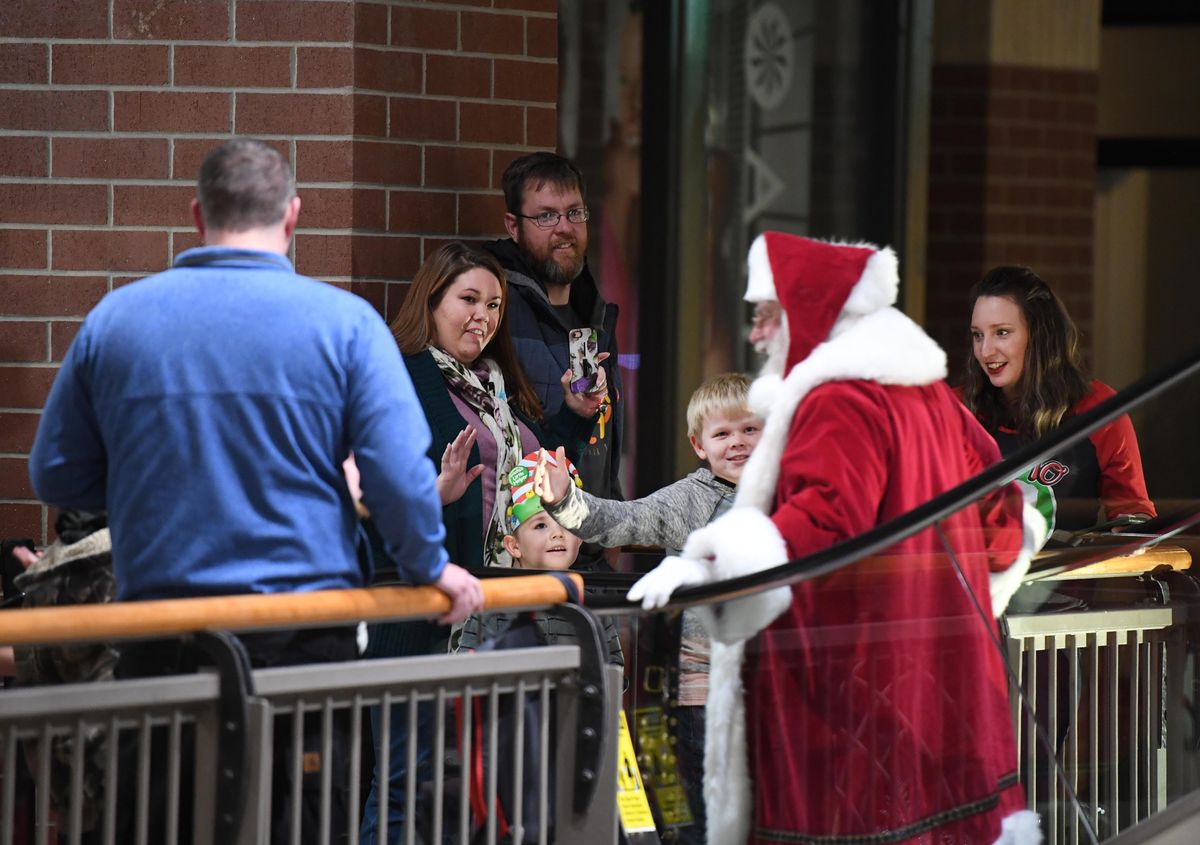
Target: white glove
{"type": "Point", "coordinates": [654, 588]}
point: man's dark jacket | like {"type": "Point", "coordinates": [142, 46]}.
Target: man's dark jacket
{"type": "Point", "coordinates": [540, 338]}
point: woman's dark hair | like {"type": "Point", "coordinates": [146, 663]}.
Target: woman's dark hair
{"type": "Point", "coordinates": [1052, 379]}
{"type": "Point", "coordinates": [414, 328]}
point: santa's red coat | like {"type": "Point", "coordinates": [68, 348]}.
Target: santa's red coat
{"type": "Point", "coordinates": [877, 703]}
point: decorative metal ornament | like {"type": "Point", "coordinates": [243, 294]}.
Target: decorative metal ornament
{"type": "Point", "coordinates": [770, 56]}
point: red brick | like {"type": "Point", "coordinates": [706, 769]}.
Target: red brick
{"type": "Point", "coordinates": [109, 250]}
{"type": "Point", "coordinates": [393, 71]}
{"type": "Point", "coordinates": [484, 33]}
{"type": "Point", "coordinates": [324, 67]}
{"type": "Point", "coordinates": [61, 111]}
{"type": "Point", "coordinates": [17, 431]}
{"type": "Point", "coordinates": [62, 333]}
{"type": "Point", "coordinates": [152, 205]}
{"type": "Point", "coordinates": [25, 387]}
{"type": "Point", "coordinates": [23, 341]}
{"type": "Point", "coordinates": [501, 159]}
{"type": "Point", "coordinates": [322, 256]}
{"type": "Point", "coordinates": [541, 128]}
{"type": "Point", "coordinates": [541, 37]}
{"type": "Point", "coordinates": [385, 256]}
{"type": "Point", "coordinates": [370, 24]}
{"type": "Point", "coordinates": [491, 123]}
{"type": "Point", "coordinates": [1041, 167]}
{"type": "Point", "coordinates": [14, 479]}
{"type": "Point", "coordinates": [370, 115]}
{"type": "Point", "coordinates": [422, 120]}
{"type": "Point", "coordinates": [24, 64]}
{"type": "Point", "coordinates": [456, 167]}
{"type": "Point", "coordinates": [110, 64]}
{"type": "Point", "coordinates": [43, 202]}
{"type": "Point", "coordinates": [163, 111]}
{"type": "Point", "coordinates": [537, 81]}
{"type": "Point", "coordinates": [481, 214]}
{"type": "Point", "coordinates": [343, 208]}
{"type": "Point", "coordinates": [373, 292]}
{"type": "Point", "coordinates": [389, 164]}
{"type": "Point", "coordinates": [1080, 113]}
{"type": "Point", "coordinates": [190, 152]}
{"type": "Point", "coordinates": [281, 20]}
{"type": "Point", "coordinates": [54, 19]}
{"type": "Point", "coordinates": [180, 242]}
{"type": "Point", "coordinates": [1037, 108]}
{"type": "Point", "coordinates": [421, 212]}
{"type": "Point", "coordinates": [172, 20]}
{"type": "Point", "coordinates": [295, 114]}
{"type": "Point", "coordinates": [426, 29]}
{"type": "Point", "coordinates": [22, 521]}
{"type": "Point", "coordinates": [24, 156]}
{"type": "Point", "coordinates": [110, 158]}
{"type": "Point", "coordinates": [23, 249]}
{"type": "Point", "coordinates": [52, 296]}
{"type": "Point", "coordinates": [456, 76]}
{"type": "Point", "coordinates": [530, 5]}
{"type": "Point", "coordinates": [233, 67]}
{"type": "Point", "coordinates": [397, 291]}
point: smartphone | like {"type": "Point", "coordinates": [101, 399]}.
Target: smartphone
{"type": "Point", "coordinates": [583, 347]}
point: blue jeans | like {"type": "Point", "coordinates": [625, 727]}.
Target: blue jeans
{"type": "Point", "coordinates": [398, 772]}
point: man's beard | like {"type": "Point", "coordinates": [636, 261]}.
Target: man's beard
{"type": "Point", "coordinates": [550, 272]}
{"type": "Point", "coordinates": [775, 348]}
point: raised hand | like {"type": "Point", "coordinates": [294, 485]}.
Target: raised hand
{"type": "Point", "coordinates": [551, 480]}
{"type": "Point", "coordinates": [454, 477]}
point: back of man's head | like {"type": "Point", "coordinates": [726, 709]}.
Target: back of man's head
{"type": "Point", "coordinates": [535, 170]}
{"type": "Point", "coordinates": [244, 184]}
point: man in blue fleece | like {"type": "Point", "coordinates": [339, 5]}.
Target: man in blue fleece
{"type": "Point", "coordinates": [209, 409]}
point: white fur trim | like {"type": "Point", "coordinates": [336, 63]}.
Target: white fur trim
{"type": "Point", "coordinates": [760, 282]}
{"type": "Point", "coordinates": [1021, 828]}
{"type": "Point", "coordinates": [727, 787]}
{"type": "Point", "coordinates": [885, 347]}
{"type": "Point", "coordinates": [877, 287]}
{"type": "Point", "coordinates": [1004, 585]}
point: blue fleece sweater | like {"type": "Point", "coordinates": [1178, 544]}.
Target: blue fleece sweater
{"type": "Point", "coordinates": [209, 409]}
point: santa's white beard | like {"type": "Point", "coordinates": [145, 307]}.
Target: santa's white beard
{"type": "Point", "coordinates": [775, 349]}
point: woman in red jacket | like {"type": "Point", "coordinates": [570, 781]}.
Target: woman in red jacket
{"type": "Point", "coordinates": [1024, 379]}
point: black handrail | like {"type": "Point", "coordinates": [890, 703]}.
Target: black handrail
{"type": "Point", "coordinates": [892, 532]}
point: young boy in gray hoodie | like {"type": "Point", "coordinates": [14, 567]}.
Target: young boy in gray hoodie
{"type": "Point", "coordinates": [723, 432]}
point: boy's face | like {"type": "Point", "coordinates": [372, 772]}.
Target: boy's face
{"type": "Point", "coordinates": [726, 441]}
{"type": "Point", "coordinates": [541, 543]}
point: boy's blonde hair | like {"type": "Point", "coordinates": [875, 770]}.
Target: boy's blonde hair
{"type": "Point", "coordinates": [726, 394]}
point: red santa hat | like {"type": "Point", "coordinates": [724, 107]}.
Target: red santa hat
{"type": "Point", "coordinates": [817, 283]}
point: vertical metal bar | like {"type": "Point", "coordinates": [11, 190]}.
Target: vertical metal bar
{"type": "Point", "coordinates": [544, 765]}
{"type": "Point", "coordinates": [1053, 810]}
{"type": "Point", "coordinates": [42, 782]}
{"type": "Point", "coordinates": [297, 768]}
{"type": "Point", "coordinates": [383, 765]}
{"type": "Point", "coordinates": [493, 759]}
{"type": "Point", "coordinates": [1031, 731]}
{"type": "Point", "coordinates": [1134, 675]}
{"type": "Point", "coordinates": [111, 773]}
{"type": "Point", "coordinates": [326, 815]}
{"type": "Point", "coordinates": [410, 780]}
{"type": "Point", "coordinates": [1072, 767]}
{"type": "Point", "coordinates": [517, 822]}
{"type": "Point", "coordinates": [464, 829]}
{"type": "Point", "coordinates": [1112, 665]}
{"type": "Point", "coordinates": [439, 763]}
{"type": "Point", "coordinates": [1093, 658]}
{"type": "Point", "coordinates": [143, 781]}
{"type": "Point", "coordinates": [174, 772]}
{"type": "Point", "coordinates": [75, 811]}
{"type": "Point", "coordinates": [9, 808]}
{"type": "Point", "coordinates": [356, 724]}
{"type": "Point", "coordinates": [1159, 779]}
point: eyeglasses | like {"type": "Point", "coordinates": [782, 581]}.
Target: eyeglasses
{"type": "Point", "coordinates": [549, 219]}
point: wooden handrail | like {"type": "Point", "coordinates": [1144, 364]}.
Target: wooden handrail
{"type": "Point", "coordinates": [168, 617]}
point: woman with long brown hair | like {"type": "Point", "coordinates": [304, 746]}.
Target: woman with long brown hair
{"type": "Point", "coordinates": [1024, 379]}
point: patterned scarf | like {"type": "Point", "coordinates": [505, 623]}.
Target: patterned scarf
{"type": "Point", "coordinates": [489, 399]}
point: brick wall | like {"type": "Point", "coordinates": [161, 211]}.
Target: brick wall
{"type": "Point", "coordinates": [399, 119]}
{"type": "Point", "coordinates": [1012, 179]}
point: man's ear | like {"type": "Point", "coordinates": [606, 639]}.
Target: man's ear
{"type": "Point", "coordinates": [512, 546]}
{"type": "Point", "coordinates": [198, 218]}
{"type": "Point", "coordinates": [700, 453]}
{"type": "Point", "coordinates": [291, 217]}
{"type": "Point", "coordinates": [511, 225]}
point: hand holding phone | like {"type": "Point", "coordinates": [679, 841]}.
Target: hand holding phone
{"type": "Point", "coordinates": [583, 345]}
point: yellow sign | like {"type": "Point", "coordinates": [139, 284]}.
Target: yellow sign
{"type": "Point", "coordinates": [631, 792]}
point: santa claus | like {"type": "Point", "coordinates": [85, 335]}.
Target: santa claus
{"type": "Point", "coordinates": [875, 705]}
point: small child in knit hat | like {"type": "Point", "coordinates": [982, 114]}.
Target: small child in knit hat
{"type": "Point", "coordinates": [536, 541]}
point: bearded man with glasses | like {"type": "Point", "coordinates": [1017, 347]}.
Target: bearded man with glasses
{"type": "Point", "coordinates": [544, 258]}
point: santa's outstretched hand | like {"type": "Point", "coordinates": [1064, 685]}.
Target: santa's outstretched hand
{"type": "Point", "coordinates": [741, 542]}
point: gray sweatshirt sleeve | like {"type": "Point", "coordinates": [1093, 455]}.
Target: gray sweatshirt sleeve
{"type": "Point", "coordinates": [664, 518]}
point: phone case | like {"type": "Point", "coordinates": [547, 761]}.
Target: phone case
{"type": "Point", "coordinates": [582, 347]}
